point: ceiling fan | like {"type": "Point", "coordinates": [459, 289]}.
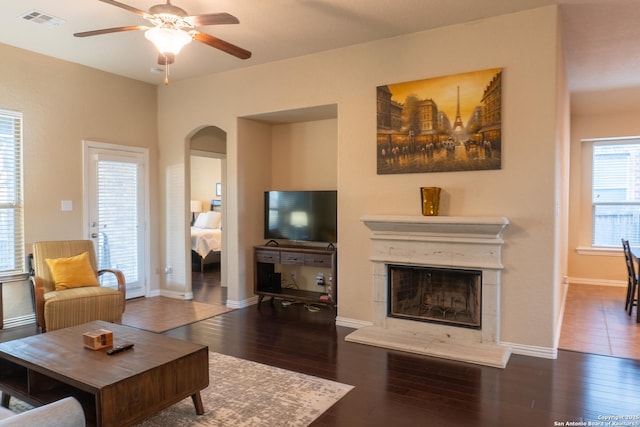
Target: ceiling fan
{"type": "Point", "coordinates": [173, 28]}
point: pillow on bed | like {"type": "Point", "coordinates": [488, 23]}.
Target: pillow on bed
{"type": "Point", "coordinates": [209, 219]}
{"type": "Point", "coordinates": [215, 218]}
{"type": "Point", "coordinates": [201, 221]}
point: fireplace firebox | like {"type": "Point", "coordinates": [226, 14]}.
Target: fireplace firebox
{"type": "Point", "coordinates": [439, 295]}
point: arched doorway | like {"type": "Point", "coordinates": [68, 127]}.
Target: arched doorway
{"type": "Point", "coordinates": [207, 173]}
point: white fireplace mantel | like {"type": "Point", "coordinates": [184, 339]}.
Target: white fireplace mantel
{"type": "Point", "coordinates": [465, 227]}
{"type": "Point", "coordinates": [437, 241]}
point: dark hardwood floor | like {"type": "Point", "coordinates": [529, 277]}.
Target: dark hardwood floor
{"type": "Point", "coordinates": [400, 389]}
{"type": "Point", "coordinates": [205, 285]}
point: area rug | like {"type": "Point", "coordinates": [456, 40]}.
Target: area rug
{"type": "Point", "coordinates": [242, 393]}
{"type": "Point", "coordinates": [159, 314]}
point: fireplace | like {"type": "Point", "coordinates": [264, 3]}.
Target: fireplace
{"type": "Point", "coordinates": [439, 295]}
{"type": "Point", "coordinates": [460, 318]}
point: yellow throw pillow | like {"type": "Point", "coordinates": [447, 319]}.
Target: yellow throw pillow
{"type": "Point", "coordinates": [72, 272]}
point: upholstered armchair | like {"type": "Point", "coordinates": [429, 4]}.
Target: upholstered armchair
{"type": "Point", "coordinates": [67, 288]}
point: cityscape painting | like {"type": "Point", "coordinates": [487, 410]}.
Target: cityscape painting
{"type": "Point", "coordinates": [444, 124]}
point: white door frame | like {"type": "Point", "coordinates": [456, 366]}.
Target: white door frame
{"type": "Point", "coordinates": [86, 146]}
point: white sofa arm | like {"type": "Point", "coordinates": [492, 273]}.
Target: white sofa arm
{"type": "Point", "coordinates": [66, 412]}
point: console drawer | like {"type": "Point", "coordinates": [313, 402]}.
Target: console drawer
{"type": "Point", "coordinates": [318, 260]}
{"type": "Point", "coordinates": [292, 258]}
{"type": "Point", "coordinates": [271, 257]}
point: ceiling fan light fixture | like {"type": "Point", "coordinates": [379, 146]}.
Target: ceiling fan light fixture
{"type": "Point", "coordinates": [172, 30]}
{"type": "Point", "coordinates": [168, 41]}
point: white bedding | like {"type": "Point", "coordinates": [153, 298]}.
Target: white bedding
{"type": "Point", "coordinates": [205, 240]}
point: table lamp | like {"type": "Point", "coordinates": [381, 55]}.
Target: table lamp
{"type": "Point", "coordinates": [196, 206]}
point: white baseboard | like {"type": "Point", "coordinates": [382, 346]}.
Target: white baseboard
{"type": "Point", "coordinates": [599, 282]}
{"type": "Point", "coordinates": [175, 294]}
{"type": "Point", "coordinates": [351, 323]}
{"type": "Point", "coordinates": [242, 303]}
{"type": "Point", "coordinates": [189, 296]}
{"type": "Point", "coordinates": [14, 322]}
{"type": "Point", "coordinates": [532, 350]}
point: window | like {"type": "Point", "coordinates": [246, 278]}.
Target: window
{"type": "Point", "coordinates": [615, 194]}
{"type": "Point", "coordinates": [11, 225]}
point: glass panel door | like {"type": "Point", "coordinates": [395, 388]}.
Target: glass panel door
{"type": "Point", "coordinates": [116, 215]}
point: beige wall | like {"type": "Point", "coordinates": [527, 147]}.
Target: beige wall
{"type": "Point", "coordinates": [607, 114]}
{"type": "Point", "coordinates": [304, 156]}
{"type": "Point", "coordinates": [64, 104]}
{"type": "Point", "coordinates": [205, 173]}
{"type": "Point", "coordinates": [528, 189]}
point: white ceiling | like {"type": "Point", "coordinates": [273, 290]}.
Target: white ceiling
{"type": "Point", "coordinates": [602, 37]}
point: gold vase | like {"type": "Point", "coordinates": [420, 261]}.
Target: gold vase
{"type": "Point", "coordinates": [430, 200]}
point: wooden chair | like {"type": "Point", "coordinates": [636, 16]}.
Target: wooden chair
{"type": "Point", "coordinates": [632, 279]}
{"type": "Point", "coordinates": [61, 308]}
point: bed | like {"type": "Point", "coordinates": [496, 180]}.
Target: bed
{"type": "Point", "coordinates": [206, 238]}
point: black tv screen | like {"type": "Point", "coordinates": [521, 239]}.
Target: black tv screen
{"type": "Point", "coordinates": [309, 216]}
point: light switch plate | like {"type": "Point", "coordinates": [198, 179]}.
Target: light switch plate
{"type": "Point", "coordinates": [66, 205]}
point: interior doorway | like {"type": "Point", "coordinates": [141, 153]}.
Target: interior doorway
{"type": "Point", "coordinates": [207, 169]}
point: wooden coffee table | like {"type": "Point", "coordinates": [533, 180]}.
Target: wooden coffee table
{"type": "Point", "coordinates": [117, 390]}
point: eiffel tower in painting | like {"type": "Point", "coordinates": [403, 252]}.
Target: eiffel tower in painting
{"type": "Point", "coordinates": [457, 124]}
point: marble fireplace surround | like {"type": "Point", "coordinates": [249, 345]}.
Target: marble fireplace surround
{"type": "Point", "coordinates": [445, 242]}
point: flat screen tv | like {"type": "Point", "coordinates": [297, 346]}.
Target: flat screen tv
{"type": "Point", "coordinates": [307, 216]}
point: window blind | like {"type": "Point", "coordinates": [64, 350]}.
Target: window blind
{"type": "Point", "coordinates": [11, 202]}
{"type": "Point", "coordinates": [616, 193]}
{"type": "Point", "coordinates": [118, 214]}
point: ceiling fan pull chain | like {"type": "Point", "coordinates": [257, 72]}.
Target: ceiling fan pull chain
{"type": "Point", "coordinates": [166, 75]}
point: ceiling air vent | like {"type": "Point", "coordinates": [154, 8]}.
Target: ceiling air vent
{"type": "Point", "coordinates": [42, 18]}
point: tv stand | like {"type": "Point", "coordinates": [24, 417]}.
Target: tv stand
{"type": "Point", "coordinates": [268, 282]}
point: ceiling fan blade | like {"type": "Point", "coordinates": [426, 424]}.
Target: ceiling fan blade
{"type": "Point", "coordinates": [211, 19]}
{"type": "Point", "coordinates": [126, 7]}
{"type": "Point", "coordinates": [221, 44]}
{"type": "Point", "coordinates": [110, 30]}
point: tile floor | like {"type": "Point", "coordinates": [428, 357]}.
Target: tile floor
{"type": "Point", "coordinates": [595, 322]}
